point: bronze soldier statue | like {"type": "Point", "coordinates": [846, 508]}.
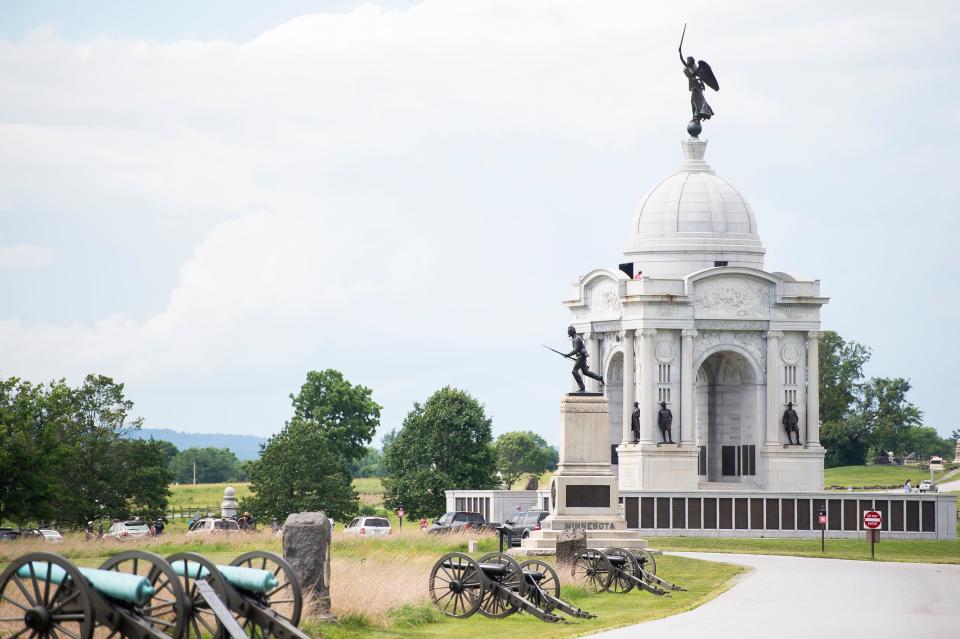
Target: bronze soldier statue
{"type": "Point", "coordinates": [665, 421]}
{"type": "Point", "coordinates": [791, 423]}
{"type": "Point", "coordinates": [635, 422]}
{"type": "Point", "coordinates": [579, 355]}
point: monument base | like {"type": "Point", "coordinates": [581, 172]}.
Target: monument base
{"type": "Point", "coordinates": [793, 469]}
{"type": "Point", "coordinates": [658, 466]}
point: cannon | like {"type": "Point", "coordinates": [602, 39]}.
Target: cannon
{"type": "Point", "coordinates": [619, 570]}
{"type": "Point", "coordinates": [256, 596]}
{"type": "Point", "coordinates": [133, 594]}
{"type": "Point", "coordinates": [496, 586]}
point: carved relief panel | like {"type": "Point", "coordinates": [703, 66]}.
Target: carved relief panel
{"type": "Point", "coordinates": [732, 298]}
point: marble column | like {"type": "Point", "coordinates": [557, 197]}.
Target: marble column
{"type": "Point", "coordinates": [688, 424]}
{"type": "Point", "coordinates": [593, 358]}
{"type": "Point", "coordinates": [647, 382]}
{"type": "Point", "coordinates": [773, 387]}
{"type": "Point", "coordinates": [629, 382]}
{"type": "Point", "coordinates": [813, 388]}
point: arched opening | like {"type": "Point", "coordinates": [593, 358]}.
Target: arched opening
{"type": "Point", "coordinates": [614, 391]}
{"type": "Point", "coordinates": [727, 403]}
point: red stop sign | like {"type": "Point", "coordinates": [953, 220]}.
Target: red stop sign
{"type": "Point", "coordinates": [400, 512]}
{"type": "Point", "coordinates": [872, 519]}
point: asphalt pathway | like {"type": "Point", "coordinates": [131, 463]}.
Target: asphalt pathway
{"type": "Point", "coordinates": [787, 597]}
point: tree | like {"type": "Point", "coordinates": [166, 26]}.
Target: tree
{"type": "Point", "coordinates": [845, 442]}
{"type": "Point", "coordinates": [521, 453]}
{"type": "Point", "coordinates": [346, 413]}
{"type": "Point", "coordinates": [304, 467]}
{"type": "Point", "coordinates": [443, 444]}
{"type": "Point", "coordinates": [841, 369]}
{"type": "Point", "coordinates": [142, 477]}
{"type": "Point", "coordinates": [168, 449]}
{"type": "Point", "coordinates": [370, 465]}
{"type": "Point", "coordinates": [300, 470]}
{"type": "Point", "coordinates": [926, 442]}
{"type": "Point", "coordinates": [214, 465]}
{"type": "Point", "coordinates": [887, 414]}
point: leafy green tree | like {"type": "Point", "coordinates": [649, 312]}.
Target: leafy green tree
{"type": "Point", "coordinates": [168, 449]}
{"type": "Point", "coordinates": [888, 416]}
{"type": "Point", "coordinates": [346, 413]}
{"type": "Point", "coordinates": [214, 465]}
{"type": "Point", "coordinates": [845, 441]}
{"type": "Point", "coordinates": [443, 444]}
{"type": "Point", "coordinates": [300, 470]}
{"type": "Point", "coordinates": [370, 465]}
{"type": "Point", "coordinates": [304, 467]}
{"type": "Point", "coordinates": [926, 441]}
{"type": "Point", "coordinates": [841, 371]}
{"type": "Point", "coordinates": [521, 453]}
{"type": "Point", "coordinates": [142, 477]}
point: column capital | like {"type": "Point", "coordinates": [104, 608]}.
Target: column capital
{"type": "Point", "coordinates": [627, 332]}
{"type": "Point", "coordinates": [775, 334]}
{"type": "Point", "coordinates": [648, 332]}
{"type": "Point", "coordinates": [813, 336]}
{"type": "Point", "coordinates": [689, 332]}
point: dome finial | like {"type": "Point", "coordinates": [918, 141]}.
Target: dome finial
{"type": "Point", "coordinates": [693, 152]}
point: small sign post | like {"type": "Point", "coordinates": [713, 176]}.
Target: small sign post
{"type": "Point", "coordinates": [400, 513]}
{"type": "Point", "coordinates": [822, 518]}
{"type": "Point", "coordinates": [872, 520]}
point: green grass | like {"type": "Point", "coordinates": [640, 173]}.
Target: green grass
{"type": "Point", "coordinates": [860, 476]}
{"type": "Point", "coordinates": [704, 580]}
{"type": "Point", "coordinates": [923, 551]}
{"type": "Point", "coordinates": [199, 495]}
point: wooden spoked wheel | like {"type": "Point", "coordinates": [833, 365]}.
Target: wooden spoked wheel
{"type": "Point", "coordinates": [593, 568]}
{"type": "Point", "coordinates": [549, 583]}
{"type": "Point", "coordinates": [33, 605]}
{"type": "Point", "coordinates": [201, 622]}
{"type": "Point", "coordinates": [624, 567]}
{"type": "Point", "coordinates": [510, 576]}
{"type": "Point", "coordinates": [286, 599]}
{"type": "Point", "coordinates": [457, 585]}
{"type": "Point", "coordinates": [167, 608]}
{"type": "Point", "coordinates": [646, 562]}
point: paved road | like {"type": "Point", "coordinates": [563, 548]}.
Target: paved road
{"type": "Point", "coordinates": [787, 597]}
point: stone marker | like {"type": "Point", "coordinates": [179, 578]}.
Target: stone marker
{"type": "Point", "coordinates": [569, 544]}
{"type": "Point", "coordinates": [306, 546]}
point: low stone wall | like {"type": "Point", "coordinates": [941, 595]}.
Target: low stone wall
{"type": "Point", "coordinates": [759, 514]}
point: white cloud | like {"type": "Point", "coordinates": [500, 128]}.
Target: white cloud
{"type": "Point", "coordinates": [25, 256]}
{"type": "Point", "coordinates": [293, 151]}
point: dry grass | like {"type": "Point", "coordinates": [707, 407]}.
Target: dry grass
{"type": "Point", "coordinates": [374, 588]}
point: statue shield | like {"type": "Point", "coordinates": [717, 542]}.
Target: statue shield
{"type": "Point", "coordinates": [706, 74]}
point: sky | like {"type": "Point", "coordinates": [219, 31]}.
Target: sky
{"type": "Point", "coordinates": [207, 200]}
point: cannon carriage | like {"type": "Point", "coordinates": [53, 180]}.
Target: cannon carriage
{"type": "Point", "coordinates": [497, 586]}
{"type": "Point", "coordinates": [620, 570]}
{"type": "Point", "coordinates": [140, 595]}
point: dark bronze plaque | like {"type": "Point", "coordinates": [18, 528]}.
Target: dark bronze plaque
{"type": "Point", "coordinates": [833, 514]}
{"type": "Point", "coordinates": [663, 512]}
{"type": "Point", "coordinates": [786, 514]}
{"type": "Point", "coordinates": [586, 496]}
{"type": "Point", "coordinates": [740, 513]}
{"type": "Point", "coordinates": [631, 509]}
{"type": "Point", "coordinates": [773, 515]}
{"type": "Point", "coordinates": [850, 514]}
{"type": "Point", "coordinates": [882, 505]}
{"type": "Point", "coordinates": [710, 513]}
{"type": "Point", "coordinates": [896, 514]}
{"type": "Point", "coordinates": [865, 504]}
{"type": "Point", "coordinates": [693, 512]}
{"type": "Point", "coordinates": [928, 521]}
{"type": "Point", "coordinates": [803, 514]}
{"type": "Point", "coordinates": [679, 514]}
{"type": "Point", "coordinates": [726, 513]}
{"type": "Point", "coordinates": [756, 514]}
{"type": "Point", "coordinates": [913, 516]}
{"type": "Point", "coordinates": [646, 512]}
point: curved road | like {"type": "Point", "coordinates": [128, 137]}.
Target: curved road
{"type": "Point", "coordinates": [787, 597]}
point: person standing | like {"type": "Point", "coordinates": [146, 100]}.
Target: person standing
{"type": "Point", "coordinates": [906, 486]}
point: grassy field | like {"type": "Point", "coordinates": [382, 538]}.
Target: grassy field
{"type": "Point", "coordinates": [936, 552]}
{"type": "Point", "coordinates": [187, 495]}
{"type": "Point", "coordinates": [379, 586]}
{"type": "Point", "coordinates": [887, 476]}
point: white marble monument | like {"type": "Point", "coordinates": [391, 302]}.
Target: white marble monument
{"type": "Point", "coordinates": [691, 318]}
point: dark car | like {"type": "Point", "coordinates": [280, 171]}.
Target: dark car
{"type": "Point", "coordinates": [459, 520]}
{"type": "Point", "coordinates": [9, 534]}
{"type": "Point", "coordinates": [520, 526]}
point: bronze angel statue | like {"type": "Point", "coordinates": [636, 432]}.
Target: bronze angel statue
{"type": "Point", "coordinates": [699, 74]}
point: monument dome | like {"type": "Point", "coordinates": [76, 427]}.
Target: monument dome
{"type": "Point", "coordinates": [691, 220]}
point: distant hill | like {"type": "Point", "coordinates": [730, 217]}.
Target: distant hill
{"type": "Point", "coordinates": [243, 446]}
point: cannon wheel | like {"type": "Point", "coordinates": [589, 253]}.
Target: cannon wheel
{"type": "Point", "coordinates": [593, 567]}
{"type": "Point", "coordinates": [201, 622]}
{"type": "Point", "coordinates": [286, 599]}
{"type": "Point", "coordinates": [646, 562]}
{"type": "Point", "coordinates": [494, 604]}
{"type": "Point", "coordinates": [457, 585]}
{"type": "Point", "coordinates": [34, 606]}
{"type": "Point", "coordinates": [550, 583]}
{"type": "Point", "coordinates": [167, 609]}
{"type": "Point", "coordinates": [620, 581]}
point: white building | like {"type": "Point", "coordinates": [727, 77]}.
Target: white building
{"type": "Point", "coordinates": [691, 318]}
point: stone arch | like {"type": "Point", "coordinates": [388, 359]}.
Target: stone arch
{"type": "Point", "coordinates": [613, 375]}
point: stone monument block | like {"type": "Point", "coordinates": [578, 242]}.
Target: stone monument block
{"type": "Point", "coordinates": [306, 546]}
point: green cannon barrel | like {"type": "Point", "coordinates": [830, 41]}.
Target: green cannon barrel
{"type": "Point", "coordinates": [120, 586]}
{"type": "Point", "coordinates": [249, 579]}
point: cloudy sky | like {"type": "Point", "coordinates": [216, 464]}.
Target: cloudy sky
{"type": "Point", "coordinates": [206, 200]}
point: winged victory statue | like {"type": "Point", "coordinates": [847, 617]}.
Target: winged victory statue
{"type": "Point", "coordinates": [699, 75]}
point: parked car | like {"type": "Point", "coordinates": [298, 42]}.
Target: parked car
{"type": "Point", "coordinates": [927, 486]}
{"type": "Point", "coordinates": [520, 526]}
{"type": "Point", "coordinates": [51, 536]}
{"type": "Point", "coordinates": [456, 521]}
{"type": "Point", "coordinates": [368, 527]}
{"type": "Point", "coordinates": [9, 534]}
{"type": "Point", "coordinates": [130, 529]}
{"type": "Point", "coordinates": [213, 526]}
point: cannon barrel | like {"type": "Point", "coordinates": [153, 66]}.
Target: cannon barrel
{"type": "Point", "coordinates": [114, 585]}
{"type": "Point", "coordinates": [249, 579]}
